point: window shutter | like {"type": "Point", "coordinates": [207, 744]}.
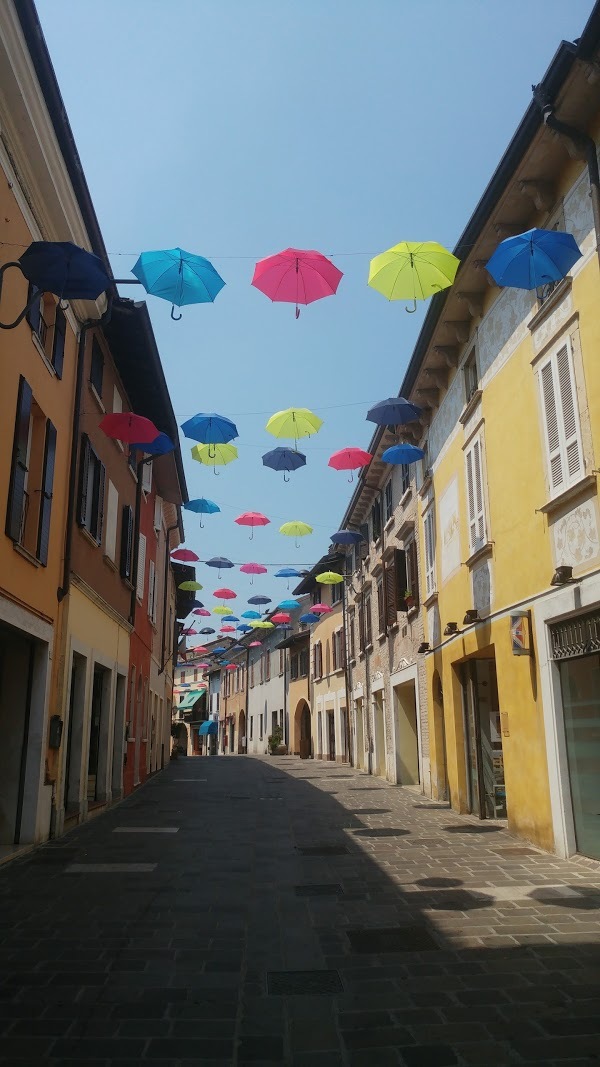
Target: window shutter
{"type": "Point", "coordinates": [112, 511]}
{"type": "Point", "coordinates": [400, 579]}
{"type": "Point", "coordinates": [471, 497]}
{"type": "Point", "coordinates": [84, 466]}
{"type": "Point", "coordinates": [117, 401]}
{"type": "Point", "coordinates": [572, 442]}
{"type": "Point", "coordinates": [58, 340]}
{"type": "Point", "coordinates": [412, 570]}
{"type": "Point", "coordinates": [97, 367]}
{"type": "Point", "coordinates": [141, 568]}
{"type": "Point", "coordinates": [46, 501]}
{"type": "Point", "coordinates": [361, 625]}
{"type": "Point", "coordinates": [34, 312]}
{"type": "Point", "coordinates": [479, 508]}
{"type": "Point", "coordinates": [126, 541]}
{"type": "Point", "coordinates": [552, 428]}
{"type": "Point", "coordinates": [152, 596]}
{"type": "Point", "coordinates": [157, 514]}
{"type": "Point", "coordinates": [368, 621]}
{"type": "Point", "coordinates": [334, 651]}
{"type": "Point", "coordinates": [429, 553]}
{"type": "Point", "coordinates": [363, 547]}
{"type": "Point", "coordinates": [147, 477]}
{"type": "Point", "coordinates": [380, 606]}
{"type": "Point", "coordinates": [18, 474]}
{"type": "Point", "coordinates": [100, 503]}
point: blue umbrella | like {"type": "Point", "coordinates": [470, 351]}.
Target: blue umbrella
{"type": "Point", "coordinates": [210, 429]}
{"type": "Point", "coordinates": [230, 618]}
{"type": "Point", "coordinates": [402, 454]}
{"type": "Point", "coordinates": [534, 258]}
{"type": "Point", "coordinates": [244, 628]}
{"type": "Point", "coordinates": [284, 459]}
{"type": "Point", "coordinates": [64, 269]}
{"type": "Point", "coordinates": [202, 506]}
{"type": "Point", "coordinates": [309, 618]}
{"type": "Point", "coordinates": [220, 562]}
{"type": "Point", "coordinates": [197, 604]}
{"type": "Point", "coordinates": [209, 728]}
{"type": "Point", "coordinates": [347, 537]}
{"type": "Point", "coordinates": [285, 626]}
{"type": "Point", "coordinates": [288, 605]}
{"type": "Point", "coordinates": [393, 412]}
{"type": "Point", "coordinates": [179, 277]}
{"type": "Point", "coordinates": [259, 599]}
{"type": "Point", "coordinates": [251, 615]}
{"type": "Point", "coordinates": [161, 446]}
{"type": "Point", "coordinates": [288, 572]}
{"type": "Point", "coordinates": [218, 651]}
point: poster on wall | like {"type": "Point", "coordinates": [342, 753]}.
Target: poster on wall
{"type": "Point", "coordinates": [520, 633]}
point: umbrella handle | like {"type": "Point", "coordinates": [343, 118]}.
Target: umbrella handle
{"type": "Point", "coordinates": [285, 477]}
{"type": "Point", "coordinates": [351, 478]}
{"type": "Point", "coordinates": [412, 310]}
{"type": "Point", "coordinates": [201, 526]}
{"type": "Point", "coordinates": [175, 317]}
{"type": "Point", "coordinates": [216, 472]}
{"type": "Point", "coordinates": [297, 312]}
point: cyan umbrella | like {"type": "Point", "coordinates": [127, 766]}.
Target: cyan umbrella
{"type": "Point", "coordinates": [533, 259]}
{"type": "Point", "coordinates": [288, 572]}
{"type": "Point", "coordinates": [210, 429]}
{"type": "Point", "coordinates": [251, 615]}
{"type": "Point", "coordinates": [396, 411]}
{"type": "Point", "coordinates": [202, 506]}
{"type": "Point", "coordinates": [284, 459]}
{"type": "Point", "coordinates": [402, 454]}
{"type": "Point", "coordinates": [179, 277]}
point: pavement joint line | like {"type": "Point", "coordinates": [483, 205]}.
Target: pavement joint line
{"type": "Point", "coordinates": [146, 830]}
{"type": "Point", "coordinates": [110, 868]}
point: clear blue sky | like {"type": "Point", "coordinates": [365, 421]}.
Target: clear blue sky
{"type": "Point", "coordinates": [235, 128]}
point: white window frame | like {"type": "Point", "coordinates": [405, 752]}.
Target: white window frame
{"type": "Point", "coordinates": [560, 412]}
{"type": "Point", "coordinates": [430, 560]}
{"type": "Point", "coordinates": [141, 568]}
{"type": "Point", "coordinates": [147, 477]}
{"type": "Point", "coordinates": [152, 596]}
{"type": "Point", "coordinates": [475, 483]}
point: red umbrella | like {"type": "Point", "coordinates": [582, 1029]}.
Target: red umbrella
{"type": "Point", "coordinates": [350, 459]}
{"type": "Point", "coordinates": [204, 666]}
{"type": "Point", "coordinates": [225, 594]}
{"type": "Point", "coordinates": [190, 632]}
{"type": "Point", "coordinates": [125, 426]}
{"type": "Point", "coordinates": [281, 616]}
{"type": "Point", "coordinates": [320, 609]}
{"type": "Point", "coordinates": [252, 518]}
{"type": "Point", "coordinates": [231, 667]}
{"type": "Point", "coordinates": [201, 611]}
{"type": "Point", "coordinates": [185, 555]}
{"type": "Point", "coordinates": [198, 649]}
{"type": "Point", "coordinates": [252, 569]}
{"type": "Point", "coordinates": [296, 276]}
{"type": "Point", "coordinates": [227, 630]}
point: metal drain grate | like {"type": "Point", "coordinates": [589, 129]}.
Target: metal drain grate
{"type": "Point", "coordinates": [393, 939]}
{"type": "Point", "coordinates": [303, 983]}
{"type": "Point", "coordinates": [324, 850]}
{"type": "Point", "coordinates": [329, 889]}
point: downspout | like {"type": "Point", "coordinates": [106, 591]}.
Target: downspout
{"type": "Point", "coordinates": [583, 143]}
{"type": "Point", "coordinates": [165, 659]}
{"type": "Point", "coordinates": [346, 666]}
{"type": "Point", "coordinates": [247, 701]}
{"type": "Point", "coordinates": [286, 732]}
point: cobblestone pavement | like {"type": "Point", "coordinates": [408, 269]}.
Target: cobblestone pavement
{"type": "Point", "coordinates": [302, 913]}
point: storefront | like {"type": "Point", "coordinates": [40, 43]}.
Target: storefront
{"type": "Point", "coordinates": [483, 739]}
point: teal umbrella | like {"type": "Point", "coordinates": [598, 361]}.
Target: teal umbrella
{"type": "Point", "coordinates": [178, 276]}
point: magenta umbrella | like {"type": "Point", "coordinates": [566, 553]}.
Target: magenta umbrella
{"type": "Point", "coordinates": [320, 609]}
{"type": "Point", "coordinates": [296, 276]}
{"type": "Point", "coordinates": [252, 518]}
{"type": "Point", "coordinates": [350, 459]}
{"type": "Point", "coordinates": [252, 569]}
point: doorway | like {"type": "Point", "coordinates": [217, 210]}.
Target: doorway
{"type": "Point", "coordinates": [345, 735]}
{"type": "Point", "coordinates": [330, 735]}
{"type": "Point", "coordinates": [305, 731]}
{"type": "Point", "coordinates": [73, 759]}
{"type": "Point", "coordinates": [379, 731]}
{"type": "Point", "coordinates": [407, 747]}
{"type": "Point", "coordinates": [580, 687]}
{"type": "Point", "coordinates": [16, 676]}
{"type": "Point", "coordinates": [360, 735]}
{"type": "Point", "coordinates": [97, 730]}
{"type": "Point", "coordinates": [483, 740]}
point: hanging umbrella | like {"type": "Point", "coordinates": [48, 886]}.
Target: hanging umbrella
{"type": "Point", "coordinates": [230, 667]}
{"type": "Point", "coordinates": [244, 628]}
{"type": "Point", "coordinates": [190, 632]}
{"type": "Point", "coordinates": [207, 630]}
{"type": "Point", "coordinates": [320, 609]}
{"type": "Point", "coordinates": [266, 625]}
{"type": "Point", "coordinates": [230, 618]}
{"type": "Point", "coordinates": [393, 412]}
{"type": "Point", "coordinates": [202, 506]}
{"type": "Point", "coordinates": [329, 578]}
{"type": "Point", "coordinates": [161, 446]}
{"type": "Point", "coordinates": [199, 649]}
{"type": "Point", "coordinates": [227, 629]}
{"type": "Point", "coordinates": [281, 616]}
{"type": "Point", "coordinates": [288, 572]}
{"type": "Point", "coordinates": [224, 594]}
{"type": "Point", "coordinates": [347, 537]}
{"type": "Point", "coordinates": [285, 626]}
{"type": "Point", "coordinates": [413, 270]}
{"type": "Point", "coordinates": [220, 610]}
{"type": "Point", "coordinates": [199, 611]}
{"type": "Point", "coordinates": [284, 459]}
{"type": "Point", "coordinates": [308, 618]}
{"type": "Point", "coordinates": [197, 604]}
{"type": "Point", "coordinates": [218, 651]}
{"type": "Point", "coordinates": [185, 555]}
{"type": "Point", "coordinates": [296, 276]}
{"type": "Point", "coordinates": [221, 563]}
{"type": "Point", "coordinates": [255, 644]}
{"type": "Point", "coordinates": [350, 459]}
{"type": "Point", "coordinates": [403, 453]}
{"type": "Point", "coordinates": [534, 258]}
{"type": "Point", "coordinates": [294, 423]}
{"type": "Point", "coordinates": [214, 455]}
{"type": "Point", "coordinates": [204, 666]}
{"type": "Point", "coordinates": [252, 519]}
{"type": "Point", "coordinates": [259, 599]}
{"type": "Point", "coordinates": [179, 277]}
{"type": "Point", "coordinates": [127, 427]}
{"type": "Point", "coordinates": [250, 615]}
{"type": "Point", "coordinates": [252, 569]}
{"type": "Point", "coordinates": [210, 429]}
{"type": "Point", "coordinates": [66, 270]}
{"type": "Point", "coordinates": [288, 605]}
{"type": "Point", "coordinates": [295, 529]}
{"type": "Point", "coordinates": [190, 587]}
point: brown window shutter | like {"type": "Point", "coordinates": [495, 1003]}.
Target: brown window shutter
{"type": "Point", "coordinates": [46, 501]}
{"type": "Point", "coordinates": [126, 541]}
{"type": "Point", "coordinates": [16, 491]}
{"type": "Point", "coordinates": [84, 465]}
{"type": "Point", "coordinates": [391, 600]}
{"type": "Point", "coordinates": [401, 579]}
{"type": "Point", "coordinates": [381, 612]}
{"type": "Point", "coordinates": [414, 571]}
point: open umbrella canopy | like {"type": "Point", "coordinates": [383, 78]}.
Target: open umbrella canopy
{"type": "Point", "coordinates": [251, 615]}
{"type": "Point", "coordinates": [190, 587]}
{"type": "Point", "coordinates": [220, 563]}
{"type": "Point", "coordinates": [288, 572]}
{"type": "Point", "coordinates": [160, 446]}
{"type": "Point", "coordinates": [404, 453]}
{"type": "Point", "coordinates": [296, 276]}
{"type": "Point", "coordinates": [308, 618]}
{"type": "Point", "coordinates": [190, 632]}
{"type": "Point", "coordinates": [280, 616]}
{"type": "Point", "coordinates": [294, 423]}
{"type": "Point", "coordinates": [320, 609]}
{"type": "Point", "coordinates": [185, 555]}
{"type": "Point", "coordinates": [220, 610]}
{"type": "Point", "coordinates": [347, 537]}
{"type": "Point", "coordinates": [329, 578]}
{"type": "Point", "coordinates": [288, 605]}
{"type": "Point", "coordinates": [204, 666]}
{"type": "Point", "coordinates": [210, 429]}
{"type": "Point", "coordinates": [227, 629]}
{"type": "Point", "coordinates": [350, 459]}
{"type": "Point", "coordinates": [202, 506]}
{"type": "Point", "coordinates": [295, 529]}
{"type": "Point", "coordinates": [207, 630]}
{"type": "Point", "coordinates": [252, 519]}
{"type": "Point", "coordinates": [65, 269]}
{"type": "Point", "coordinates": [225, 594]}
{"type": "Point", "coordinates": [178, 276]}
{"type": "Point", "coordinates": [218, 651]}
{"type": "Point", "coordinates": [413, 270]}
{"type": "Point", "coordinates": [214, 455]}
{"type": "Point", "coordinates": [533, 259]}
{"type": "Point", "coordinates": [255, 644]}
{"type": "Point", "coordinates": [230, 618]}
{"type": "Point", "coordinates": [230, 667]}
{"type": "Point", "coordinates": [259, 599]}
{"type": "Point", "coordinates": [396, 411]}
{"type": "Point", "coordinates": [284, 459]}
{"type": "Point", "coordinates": [253, 568]}
{"type": "Point", "coordinates": [199, 611]}
{"type": "Point", "coordinates": [125, 426]}
{"type": "Point", "coordinates": [208, 729]}
{"type": "Point", "coordinates": [198, 650]}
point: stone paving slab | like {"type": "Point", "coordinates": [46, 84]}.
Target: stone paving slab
{"type": "Point", "coordinates": [324, 927]}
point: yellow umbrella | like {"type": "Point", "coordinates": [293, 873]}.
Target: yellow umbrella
{"type": "Point", "coordinates": [294, 423]}
{"type": "Point", "coordinates": [295, 529]}
{"type": "Point", "coordinates": [214, 455]}
{"type": "Point", "coordinates": [191, 587]}
{"type": "Point", "coordinates": [413, 270]}
{"type": "Point", "coordinates": [221, 610]}
{"type": "Point", "coordinates": [329, 578]}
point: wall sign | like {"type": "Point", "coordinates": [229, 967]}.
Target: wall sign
{"type": "Point", "coordinates": [520, 633]}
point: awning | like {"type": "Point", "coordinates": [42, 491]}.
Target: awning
{"type": "Point", "coordinates": [189, 699]}
{"type": "Point", "coordinates": [209, 728]}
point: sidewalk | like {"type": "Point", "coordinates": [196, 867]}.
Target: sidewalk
{"type": "Point", "coordinates": [278, 911]}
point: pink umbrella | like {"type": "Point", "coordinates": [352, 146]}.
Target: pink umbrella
{"type": "Point", "coordinates": [185, 555]}
{"type": "Point", "coordinates": [198, 649]}
{"type": "Point", "coordinates": [252, 518]}
{"type": "Point", "coordinates": [281, 616]}
{"type": "Point", "coordinates": [190, 632]}
{"type": "Point", "coordinates": [254, 644]}
{"type": "Point", "coordinates": [253, 568]}
{"type": "Point", "coordinates": [227, 630]}
{"type": "Point", "coordinates": [204, 666]}
{"type": "Point", "coordinates": [296, 276]}
{"type": "Point", "coordinates": [225, 594]}
{"type": "Point", "coordinates": [350, 459]}
{"type": "Point", "coordinates": [201, 611]}
{"type": "Point", "coordinates": [320, 609]}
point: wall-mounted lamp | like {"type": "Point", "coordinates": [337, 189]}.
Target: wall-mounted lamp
{"type": "Point", "coordinates": [562, 575]}
{"type": "Point", "coordinates": [423, 647]}
{"type": "Point", "coordinates": [471, 616]}
{"type": "Point", "coordinates": [451, 628]}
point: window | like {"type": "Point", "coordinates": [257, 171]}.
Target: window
{"type": "Point", "coordinates": [429, 534]}
{"type": "Point", "coordinates": [141, 567]}
{"type": "Point", "coordinates": [317, 660]}
{"type": "Point", "coordinates": [281, 660]}
{"type": "Point", "coordinates": [267, 658]}
{"type": "Point", "coordinates": [368, 621]}
{"type": "Point", "coordinates": [195, 675]}
{"type": "Point", "coordinates": [389, 506]}
{"type": "Point", "coordinates": [380, 607]}
{"type": "Point", "coordinates": [337, 592]}
{"type": "Point", "coordinates": [126, 542]}
{"type": "Point", "coordinates": [182, 679]}
{"type": "Point", "coordinates": [471, 377]}
{"type": "Point", "coordinates": [563, 436]}
{"type": "Point", "coordinates": [395, 586]}
{"type": "Point", "coordinates": [58, 340]}
{"type": "Point", "coordinates": [152, 598]}
{"type": "Point", "coordinates": [147, 477]}
{"type": "Point", "coordinates": [252, 674]}
{"type": "Point", "coordinates": [338, 650]}
{"type": "Point", "coordinates": [304, 662]}
{"type": "Point", "coordinates": [112, 515]}
{"type": "Point", "coordinates": [405, 470]}
{"type": "Point", "coordinates": [251, 727]}
{"type": "Point", "coordinates": [412, 572]}
{"type": "Point", "coordinates": [260, 727]}
{"type": "Point", "coordinates": [157, 514]}
{"type": "Point", "coordinates": [29, 503]}
{"type": "Point", "coordinates": [92, 476]}
{"type": "Point", "coordinates": [274, 722]}
{"type": "Point", "coordinates": [361, 625]}
{"type": "Point", "coordinates": [294, 666]}
{"type": "Point", "coordinates": [475, 497]}
{"type": "Point", "coordinates": [35, 316]}
{"type": "Point", "coordinates": [376, 520]}
{"type": "Point", "coordinates": [351, 636]}
{"type": "Point", "coordinates": [97, 368]}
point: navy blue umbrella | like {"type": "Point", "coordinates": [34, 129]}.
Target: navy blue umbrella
{"type": "Point", "coordinates": [347, 537]}
{"type": "Point", "coordinates": [220, 562]}
{"type": "Point", "coordinates": [402, 454]}
{"type": "Point", "coordinates": [161, 446]}
{"type": "Point", "coordinates": [259, 599]}
{"type": "Point", "coordinates": [533, 259]}
{"type": "Point", "coordinates": [64, 269]}
{"type": "Point", "coordinates": [396, 411]}
{"type": "Point", "coordinates": [284, 459]}
{"type": "Point", "coordinates": [244, 628]}
{"type": "Point", "coordinates": [207, 630]}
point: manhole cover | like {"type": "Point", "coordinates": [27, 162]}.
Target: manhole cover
{"type": "Point", "coordinates": [324, 850]}
{"type": "Point", "coordinates": [393, 939]}
{"type": "Point", "coordinates": [303, 983]}
{"type": "Point", "coordinates": [330, 889]}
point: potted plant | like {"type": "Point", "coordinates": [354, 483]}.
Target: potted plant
{"type": "Point", "coordinates": [409, 599]}
{"type": "Point", "coordinates": [274, 740]}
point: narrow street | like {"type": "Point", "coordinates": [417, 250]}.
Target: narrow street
{"type": "Point", "coordinates": [281, 911]}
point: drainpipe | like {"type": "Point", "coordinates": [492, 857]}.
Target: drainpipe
{"type": "Point", "coordinates": [286, 732]}
{"type": "Point", "coordinates": [347, 668]}
{"type": "Point", "coordinates": [165, 659]}
{"type": "Point", "coordinates": [583, 143]}
{"type": "Point", "coordinates": [247, 701]}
